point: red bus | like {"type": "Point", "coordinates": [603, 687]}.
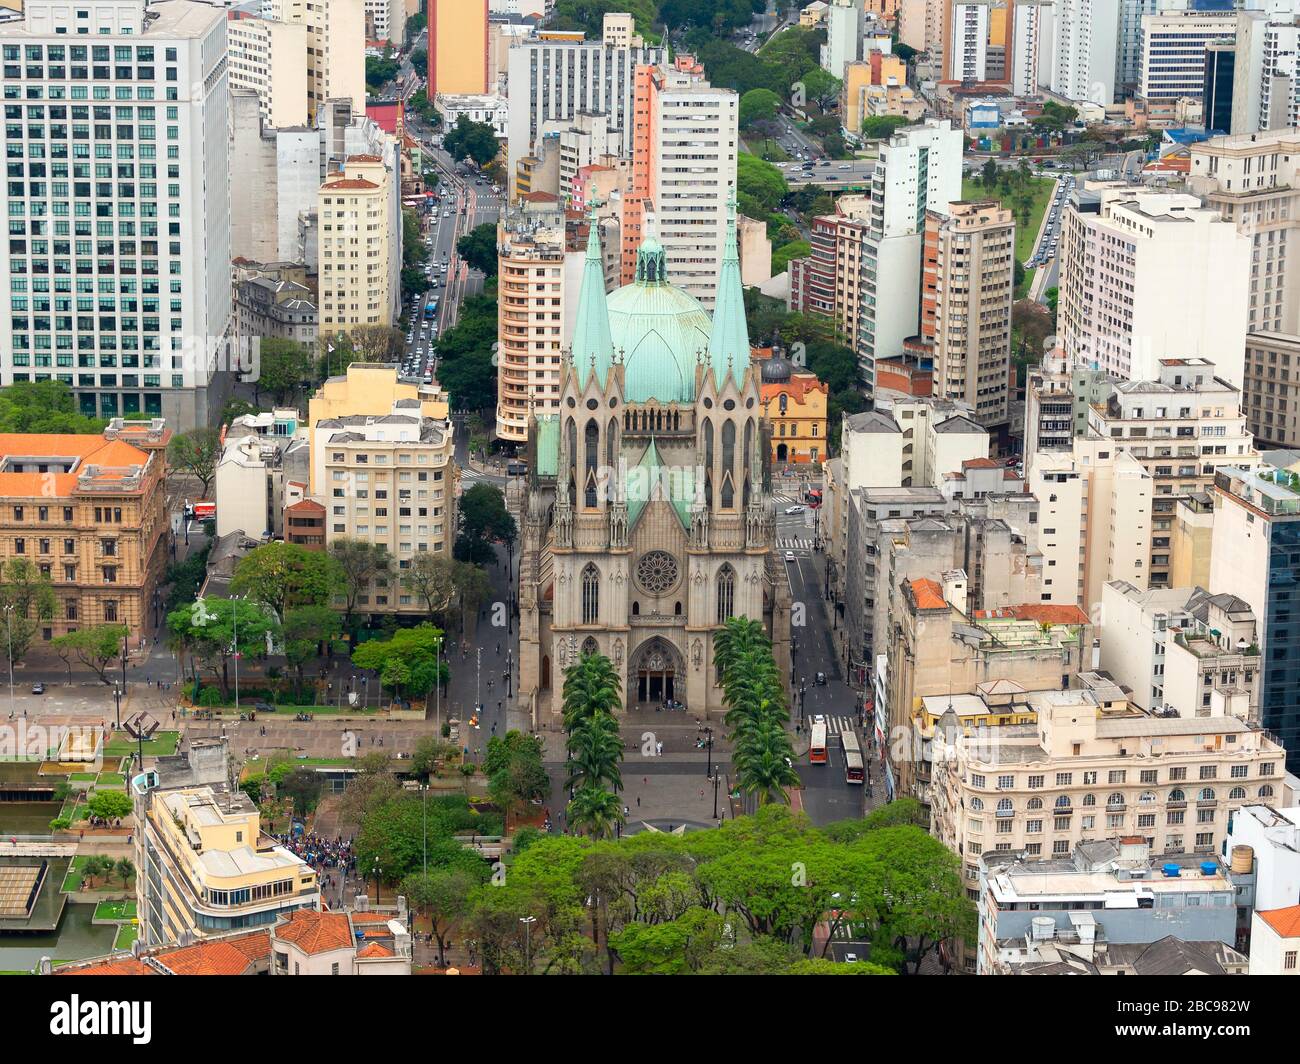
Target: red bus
{"type": "Point", "coordinates": [817, 749]}
{"type": "Point", "coordinates": [854, 771]}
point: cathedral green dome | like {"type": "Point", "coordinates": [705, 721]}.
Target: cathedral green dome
{"type": "Point", "coordinates": [659, 328]}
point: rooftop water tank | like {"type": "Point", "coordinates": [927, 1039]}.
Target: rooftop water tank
{"type": "Point", "coordinates": [1044, 928]}
{"type": "Point", "coordinates": [1209, 868]}
{"type": "Point", "coordinates": [1170, 870]}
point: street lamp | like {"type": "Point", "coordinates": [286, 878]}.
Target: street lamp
{"type": "Point", "coordinates": [117, 703]}
{"type": "Point", "coordinates": [707, 744]}
{"type": "Point", "coordinates": [528, 922]}
{"type": "Point", "coordinates": [716, 779]}
{"type": "Point", "coordinates": [378, 872]}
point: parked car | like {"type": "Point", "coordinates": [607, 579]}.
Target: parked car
{"type": "Point", "coordinates": [38, 688]}
{"type": "Point", "coordinates": [794, 509]}
{"type": "Point", "coordinates": [789, 556]}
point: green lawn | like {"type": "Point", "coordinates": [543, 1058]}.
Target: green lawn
{"type": "Point", "coordinates": [767, 148]}
{"type": "Point", "coordinates": [126, 936]}
{"type": "Point", "coordinates": [115, 910]}
{"type": "Point", "coordinates": [72, 881]}
{"type": "Point", "coordinates": [163, 743]}
{"type": "Point", "coordinates": [82, 777]}
{"type": "Point", "coordinates": [1026, 235]}
{"type": "Point", "coordinates": [111, 779]}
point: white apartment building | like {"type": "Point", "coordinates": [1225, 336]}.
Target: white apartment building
{"type": "Point", "coordinates": [1031, 47]}
{"type": "Point", "coordinates": [1275, 941]}
{"type": "Point", "coordinates": [1123, 250]}
{"type": "Point", "coordinates": [266, 58]}
{"type": "Point", "coordinates": [968, 47]}
{"type": "Point", "coordinates": [1267, 835]}
{"type": "Point", "coordinates": [1173, 52]}
{"type": "Point", "coordinates": [336, 48]}
{"type": "Point", "coordinates": [1090, 767]}
{"type": "Point", "coordinates": [583, 142]}
{"type": "Point", "coordinates": [388, 479]}
{"type": "Point", "coordinates": [695, 131]}
{"type": "Point", "coordinates": [554, 76]}
{"type": "Point", "coordinates": [1279, 76]}
{"type": "Point", "coordinates": [918, 170]}
{"type": "Point", "coordinates": [388, 20]}
{"type": "Point", "coordinates": [131, 213]}
{"type": "Point", "coordinates": [844, 19]}
{"type": "Point", "coordinates": [357, 275]}
{"type": "Point", "coordinates": [1085, 47]}
{"type": "Point", "coordinates": [1181, 427]}
{"type": "Point", "coordinates": [1181, 648]}
{"type": "Point", "coordinates": [1094, 520]}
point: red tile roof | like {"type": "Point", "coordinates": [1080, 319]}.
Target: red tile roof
{"type": "Point", "coordinates": [1286, 922]}
{"type": "Point", "coordinates": [375, 949]}
{"type": "Point", "coordinates": [980, 463]}
{"type": "Point", "coordinates": [370, 918]}
{"type": "Point", "coordinates": [1042, 612]}
{"type": "Point", "coordinates": [206, 958]}
{"type": "Point", "coordinates": [928, 595]}
{"type": "Point", "coordinates": [347, 184]}
{"type": "Point", "coordinates": [314, 932]}
{"type": "Point", "coordinates": [92, 450]}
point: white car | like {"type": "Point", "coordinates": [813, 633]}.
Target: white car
{"type": "Point", "coordinates": [794, 509]}
{"type": "Point", "coordinates": [789, 556]}
{"type": "Point", "coordinates": [846, 166]}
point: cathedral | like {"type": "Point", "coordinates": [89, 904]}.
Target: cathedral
{"type": "Point", "coordinates": [648, 518]}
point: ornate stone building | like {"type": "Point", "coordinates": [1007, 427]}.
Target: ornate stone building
{"type": "Point", "coordinates": [648, 518]}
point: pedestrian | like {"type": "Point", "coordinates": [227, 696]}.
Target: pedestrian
{"type": "Point", "coordinates": [627, 811]}
{"type": "Point", "coordinates": [659, 749]}
{"type": "Point", "coordinates": [701, 792]}
{"type": "Point", "coordinates": [638, 801]}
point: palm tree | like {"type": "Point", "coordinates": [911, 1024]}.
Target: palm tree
{"type": "Point", "coordinates": [767, 769]}
{"type": "Point", "coordinates": [595, 748]}
{"type": "Point", "coordinates": [591, 686]}
{"type": "Point", "coordinates": [595, 811]}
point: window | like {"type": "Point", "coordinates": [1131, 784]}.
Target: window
{"type": "Point", "coordinates": [1289, 960]}
{"type": "Point", "coordinates": [1035, 782]}
{"type": "Point", "coordinates": [726, 593]}
{"type": "Point", "coordinates": [1006, 783]}
{"type": "Point", "coordinates": [590, 595]}
{"type": "Point", "coordinates": [1116, 775]}
{"type": "Point", "coordinates": [1064, 779]}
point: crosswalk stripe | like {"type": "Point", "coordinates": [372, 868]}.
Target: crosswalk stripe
{"type": "Point", "coordinates": [787, 543]}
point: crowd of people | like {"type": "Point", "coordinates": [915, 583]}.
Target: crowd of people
{"type": "Point", "coordinates": [333, 859]}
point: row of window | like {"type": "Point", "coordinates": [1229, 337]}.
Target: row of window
{"type": "Point", "coordinates": [1119, 775]}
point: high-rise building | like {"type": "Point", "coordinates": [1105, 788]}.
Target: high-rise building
{"type": "Point", "coordinates": [1173, 52]}
{"type": "Point", "coordinates": [1085, 49]}
{"type": "Point", "coordinates": [387, 20]}
{"type": "Point", "coordinates": [844, 23]}
{"type": "Point", "coordinates": [919, 170]}
{"type": "Point", "coordinates": [683, 172]}
{"type": "Point", "coordinates": [336, 48]}
{"type": "Point", "coordinates": [1253, 180]}
{"type": "Point", "coordinates": [554, 76]}
{"type": "Point", "coordinates": [144, 233]}
{"type": "Point", "coordinates": [967, 286]}
{"type": "Point", "coordinates": [1256, 555]}
{"type": "Point", "coordinates": [827, 283]}
{"type": "Point", "coordinates": [1128, 43]}
{"type": "Point", "coordinates": [1123, 250]}
{"type": "Point", "coordinates": [357, 275]}
{"type": "Point", "coordinates": [1216, 94]}
{"type": "Point", "coordinates": [268, 58]}
{"type": "Point", "coordinates": [459, 62]}
{"type": "Point", "coordinates": [967, 53]}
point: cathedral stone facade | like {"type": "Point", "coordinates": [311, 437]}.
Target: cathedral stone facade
{"type": "Point", "coordinates": [648, 517]}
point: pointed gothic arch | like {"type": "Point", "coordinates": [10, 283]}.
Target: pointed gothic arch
{"type": "Point", "coordinates": [590, 594]}
{"type": "Point", "coordinates": [726, 588]}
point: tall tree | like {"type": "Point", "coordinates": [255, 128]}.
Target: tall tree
{"type": "Point", "coordinates": [95, 647]}
{"type": "Point", "coordinates": [433, 580]}
{"type": "Point", "coordinates": [284, 367]}
{"type": "Point", "coordinates": [43, 406]}
{"type": "Point", "coordinates": [212, 630]}
{"type": "Point", "coordinates": [284, 575]}
{"type": "Point", "coordinates": [471, 140]}
{"type": "Point", "coordinates": [195, 454]}
{"type": "Point", "coordinates": [478, 247]}
{"type": "Point", "coordinates": [26, 599]}
{"type": "Point", "coordinates": [360, 562]}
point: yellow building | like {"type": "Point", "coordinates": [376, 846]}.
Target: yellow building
{"type": "Point", "coordinates": [795, 404]}
{"type": "Point", "coordinates": [89, 514]}
{"type": "Point", "coordinates": [880, 72]}
{"type": "Point", "coordinates": [205, 866]}
{"type": "Point", "coordinates": [370, 388]}
{"type": "Point", "coordinates": [458, 48]}
{"type": "Point", "coordinates": [354, 211]}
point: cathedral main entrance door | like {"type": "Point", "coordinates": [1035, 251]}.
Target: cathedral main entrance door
{"type": "Point", "coordinates": [655, 672]}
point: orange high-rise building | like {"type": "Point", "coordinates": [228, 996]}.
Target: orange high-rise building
{"type": "Point", "coordinates": [458, 48]}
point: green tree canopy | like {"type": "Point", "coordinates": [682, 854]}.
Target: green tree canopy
{"type": "Point", "coordinates": [195, 454]}
{"type": "Point", "coordinates": [43, 406]}
{"type": "Point", "coordinates": [471, 140]}
{"type": "Point", "coordinates": [96, 647]}
{"type": "Point", "coordinates": [758, 105]}
{"type": "Point", "coordinates": [478, 247]}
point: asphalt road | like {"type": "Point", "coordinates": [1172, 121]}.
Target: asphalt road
{"type": "Point", "coordinates": [829, 173]}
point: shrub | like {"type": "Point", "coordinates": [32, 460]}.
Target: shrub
{"type": "Point", "coordinates": [210, 696]}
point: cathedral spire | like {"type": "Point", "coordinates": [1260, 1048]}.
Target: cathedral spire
{"type": "Point", "coordinates": [729, 342]}
{"type": "Point", "coordinates": [593, 349]}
